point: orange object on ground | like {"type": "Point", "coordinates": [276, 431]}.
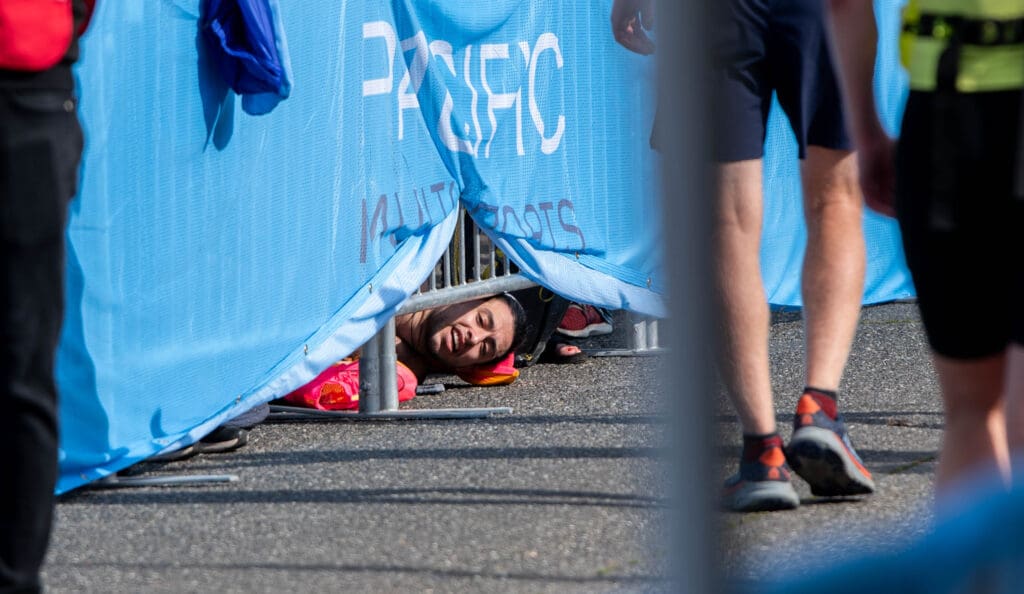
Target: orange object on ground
{"type": "Point", "coordinates": [499, 373]}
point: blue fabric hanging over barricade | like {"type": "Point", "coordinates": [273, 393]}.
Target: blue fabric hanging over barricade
{"type": "Point", "coordinates": [247, 44]}
{"type": "Point", "coordinates": [785, 237]}
{"type": "Point", "coordinates": [203, 282]}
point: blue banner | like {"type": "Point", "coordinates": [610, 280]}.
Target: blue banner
{"type": "Point", "coordinates": [217, 259]}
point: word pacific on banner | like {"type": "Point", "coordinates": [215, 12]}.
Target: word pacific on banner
{"type": "Point", "coordinates": [469, 139]}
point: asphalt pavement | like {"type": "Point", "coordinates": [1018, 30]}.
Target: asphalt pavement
{"type": "Point", "coordinates": [890, 400]}
{"type": "Point", "coordinates": [565, 494]}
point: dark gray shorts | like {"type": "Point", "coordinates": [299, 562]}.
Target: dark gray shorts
{"type": "Point", "coordinates": [764, 46]}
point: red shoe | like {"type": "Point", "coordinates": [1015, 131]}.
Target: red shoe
{"type": "Point", "coordinates": [582, 321]}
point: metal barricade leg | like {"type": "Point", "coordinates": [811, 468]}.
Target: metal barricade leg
{"type": "Point", "coordinates": [388, 365]}
{"type": "Point", "coordinates": [177, 480]}
{"type": "Point", "coordinates": [369, 376]}
{"type": "Point", "coordinates": [378, 389]}
{"type": "Point", "coordinates": [652, 335]}
{"type": "Point", "coordinates": [641, 340]}
{"type": "Point", "coordinates": [638, 336]}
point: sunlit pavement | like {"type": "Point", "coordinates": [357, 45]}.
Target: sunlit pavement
{"type": "Point", "coordinates": [563, 495]}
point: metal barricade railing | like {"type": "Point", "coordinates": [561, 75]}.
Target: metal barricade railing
{"type": "Point", "coordinates": [464, 272]}
{"type": "Point", "coordinates": [467, 270]}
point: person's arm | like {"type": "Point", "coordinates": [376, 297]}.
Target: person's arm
{"type": "Point", "coordinates": [854, 37]}
{"type": "Point", "coordinates": [629, 20]}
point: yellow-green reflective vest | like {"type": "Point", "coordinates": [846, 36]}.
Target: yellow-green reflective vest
{"type": "Point", "coordinates": [982, 67]}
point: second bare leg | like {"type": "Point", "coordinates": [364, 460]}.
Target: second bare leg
{"type": "Point", "coordinates": [833, 270]}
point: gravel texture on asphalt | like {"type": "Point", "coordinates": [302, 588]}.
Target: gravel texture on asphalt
{"type": "Point", "coordinates": [565, 494]}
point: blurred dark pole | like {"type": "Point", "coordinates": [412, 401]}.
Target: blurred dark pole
{"type": "Point", "coordinates": [687, 199]}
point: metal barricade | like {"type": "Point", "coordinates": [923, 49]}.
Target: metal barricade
{"type": "Point", "coordinates": [471, 267]}
{"type": "Point", "coordinates": [467, 270]}
{"type": "Point", "coordinates": [641, 340]}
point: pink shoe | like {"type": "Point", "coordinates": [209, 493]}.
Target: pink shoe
{"type": "Point", "coordinates": [337, 387]}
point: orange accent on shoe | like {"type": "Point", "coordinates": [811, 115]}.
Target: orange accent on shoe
{"type": "Point", "coordinates": [807, 406]}
{"type": "Point", "coordinates": [334, 396]}
{"type": "Point", "coordinates": [773, 474]}
{"type": "Point", "coordinates": [825, 401]}
{"type": "Point", "coordinates": [773, 457]}
{"type": "Point", "coordinates": [854, 460]}
{"type": "Point", "coordinates": [806, 419]}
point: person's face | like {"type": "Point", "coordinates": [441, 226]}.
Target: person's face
{"type": "Point", "coordinates": [470, 333]}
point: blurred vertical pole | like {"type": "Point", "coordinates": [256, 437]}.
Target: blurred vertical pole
{"type": "Point", "coordinates": [687, 198]}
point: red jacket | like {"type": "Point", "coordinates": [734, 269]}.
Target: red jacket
{"type": "Point", "coordinates": [36, 34]}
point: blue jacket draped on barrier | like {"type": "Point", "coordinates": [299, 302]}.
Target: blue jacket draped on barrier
{"type": "Point", "coordinates": [248, 47]}
{"type": "Point", "coordinates": [218, 260]}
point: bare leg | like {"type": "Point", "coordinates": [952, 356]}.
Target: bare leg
{"type": "Point", "coordinates": [1015, 405]}
{"type": "Point", "coordinates": [744, 308]}
{"type": "Point", "coordinates": [975, 436]}
{"type": "Point", "coordinates": [833, 270]}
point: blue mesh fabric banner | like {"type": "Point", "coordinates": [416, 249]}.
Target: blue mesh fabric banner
{"type": "Point", "coordinates": [785, 237]}
{"type": "Point", "coordinates": [218, 260]}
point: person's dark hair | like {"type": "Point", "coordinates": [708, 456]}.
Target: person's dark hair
{"type": "Point", "coordinates": [521, 323]}
{"type": "Point", "coordinates": [544, 311]}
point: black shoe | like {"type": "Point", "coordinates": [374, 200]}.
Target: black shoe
{"type": "Point", "coordinates": [220, 440]}
{"type": "Point", "coordinates": [182, 454]}
{"type": "Point", "coordinates": [223, 439]}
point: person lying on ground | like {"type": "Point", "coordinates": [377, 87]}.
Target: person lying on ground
{"type": "Point", "coordinates": [458, 336]}
{"type": "Point", "coordinates": [474, 339]}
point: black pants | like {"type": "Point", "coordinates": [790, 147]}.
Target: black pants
{"type": "Point", "coordinates": [40, 147]}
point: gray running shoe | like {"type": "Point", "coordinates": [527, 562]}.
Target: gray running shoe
{"type": "Point", "coordinates": [762, 483]}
